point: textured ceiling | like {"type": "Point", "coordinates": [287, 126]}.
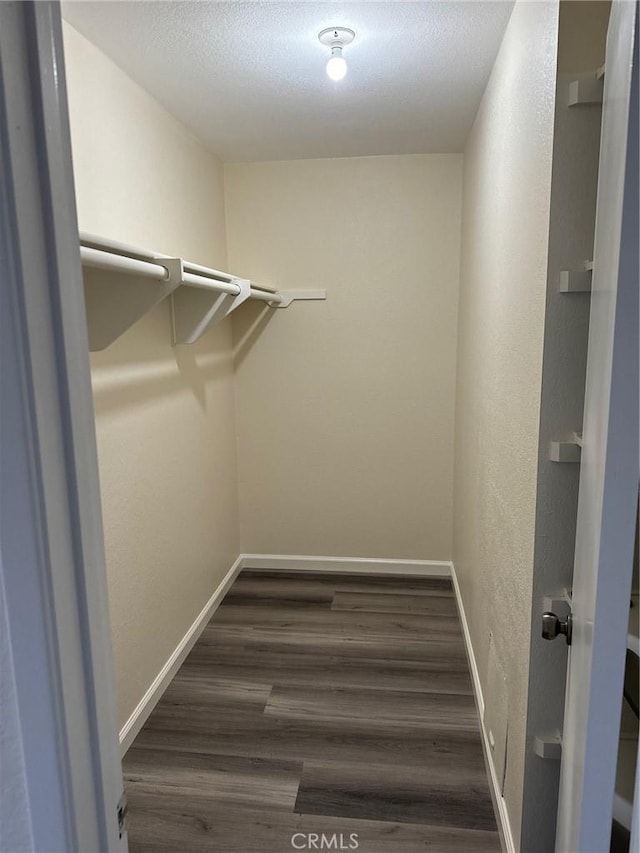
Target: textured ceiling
{"type": "Point", "coordinates": [249, 78]}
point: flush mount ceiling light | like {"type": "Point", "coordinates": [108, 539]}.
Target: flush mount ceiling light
{"type": "Point", "coordinates": [336, 38]}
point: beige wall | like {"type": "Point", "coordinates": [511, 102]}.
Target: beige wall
{"type": "Point", "coordinates": [345, 408]}
{"type": "Point", "coordinates": [164, 415]}
{"type": "Point", "coordinates": [507, 181]}
{"type": "Point", "coordinates": [583, 35]}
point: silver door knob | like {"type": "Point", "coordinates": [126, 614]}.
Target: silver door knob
{"type": "Point", "coordinates": [552, 626]}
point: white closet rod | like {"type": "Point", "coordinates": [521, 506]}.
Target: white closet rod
{"type": "Point", "coordinates": [117, 258]}
{"type": "Point", "coordinates": [210, 283]}
{"type": "Point", "coordinates": [106, 261]}
{"type": "Point", "coordinates": [269, 296]}
{"type": "Point", "coordinates": [201, 297]}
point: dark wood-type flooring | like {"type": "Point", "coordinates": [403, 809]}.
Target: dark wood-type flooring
{"type": "Point", "coordinates": [317, 703]}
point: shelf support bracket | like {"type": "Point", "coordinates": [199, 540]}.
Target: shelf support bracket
{"type": "Point", "coordinates": [565, 451]}
{"type": "Point", "coordinates": [575, 281]}
{"type": "Point", "coordinates": [289, 296]}
{"type": "Point", "coordinates": [586, 89]}
{"type": "Point", "coordinates": [548, 746]}
{"type": "Point", "coordinates": [115, 302]}
{"type": "Point", "coordinates": [194, 311]}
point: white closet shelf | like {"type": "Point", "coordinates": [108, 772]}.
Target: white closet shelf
{"type": "Point", "coordinates": [123, 283]}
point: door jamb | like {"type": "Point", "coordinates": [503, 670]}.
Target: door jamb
{"type": "Point", "coordinates": [51, 540]}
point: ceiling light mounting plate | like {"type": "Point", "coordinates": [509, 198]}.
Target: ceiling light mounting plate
{"type": "Point", "coordinates": [336, 36]}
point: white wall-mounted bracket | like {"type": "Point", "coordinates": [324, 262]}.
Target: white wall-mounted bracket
{"type": "Point", "coordinates": [633, 638]}
{"type": "Point", "coordinates": [575, 281]}
{"type": "Point", "coordinates": [586, 89]}
{"type": "Point", "coordinates": [548, 746]}
{"type": "Point", "coordinates": [565, 451]}
{"type": "Point", "coordinates": [123, 283]}
{"type": "Point", "coordinates": [559, 602]}
{"type": "Point", "coordinates": [115, 302]}
{"type": "Point", "coordinates": [195, 310]}
{"type": "Point", "coordinates": [289, 296]}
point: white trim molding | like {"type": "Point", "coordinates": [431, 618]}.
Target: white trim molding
{"type": "Point", "coordinates": [348, 565]}
{"type": "Point", "coordinates": [504, 825]}
{"type": "Point", "coordinates": [63, 768]}
{"type": "Point", "coordinates": [160, 683]}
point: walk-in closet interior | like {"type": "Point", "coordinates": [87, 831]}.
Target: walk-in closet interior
{"type": "Point", "coordinates": [339, 335]}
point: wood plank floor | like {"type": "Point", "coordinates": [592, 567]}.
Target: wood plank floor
{"type": "Point", "coordinates": [317, 704]}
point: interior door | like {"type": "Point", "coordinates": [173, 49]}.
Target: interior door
{"type": "Point", "coordinates": [609, 468]}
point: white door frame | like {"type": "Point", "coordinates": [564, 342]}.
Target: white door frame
{"type": "Point", "coordinates": [607, 502]}
{"type": "Point", "coordinates": [51, 543]}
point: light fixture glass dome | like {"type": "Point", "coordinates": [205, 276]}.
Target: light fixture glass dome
{"type": "Point", "coordinates": [337, 65]}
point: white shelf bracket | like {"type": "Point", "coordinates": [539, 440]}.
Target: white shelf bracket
{"type": "Point", "coordinates": [194, 311]}
{"type": "Point", "coordinates": [123, 283]}
{"type": "Point", "coordinates": [586, 89]}
{"type": "Point", "coordinates": [548, 746]}
{"type": "Point", "coordinates": [115, 302]}
{"type": "Point", "coordinates": [559, 602]}
{"type": "Point", "coordinates": [289, 296]}
{"type": "Point", "coordinates": [564, 451]}
{"type": "Point", "coordinates": [575, 281]}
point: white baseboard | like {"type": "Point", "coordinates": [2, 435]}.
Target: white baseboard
{"type": "Point", "coordinates": [151, 698]}
{"type": "Point", "coordinates": [423, 568]}
{"type": "Point", "coordinates": [504, 825]}
{"type": "Point", "coordinates": [352, 565]}
{"type": "Point", "coordinates": [349, 565]}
